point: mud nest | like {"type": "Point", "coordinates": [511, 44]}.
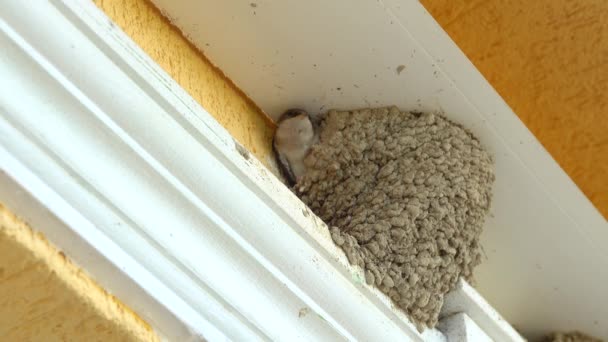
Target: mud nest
{"type": "Point", "coordinates": [405, 195]}
{"type": "Point", "coordinates": [573, 336]}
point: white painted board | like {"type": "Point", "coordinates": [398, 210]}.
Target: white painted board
{"type": "Point", "coordinates": [460, 328]}
{"type": "Point", "coordinates": [465, 300]}
{"type": "Point", "coordinates": [544, 241]}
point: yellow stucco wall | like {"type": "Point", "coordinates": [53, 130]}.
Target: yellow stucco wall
{"type": "Point", "coordinates": [44, 297]}
{"type": "Point", "coordinates": [549, 60]}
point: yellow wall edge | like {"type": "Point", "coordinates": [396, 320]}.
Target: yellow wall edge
{"type": "Point", "coordinates": [45, 297]}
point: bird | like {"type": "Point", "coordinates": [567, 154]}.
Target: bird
{"type": "Point", "coordinates": [293, 138]}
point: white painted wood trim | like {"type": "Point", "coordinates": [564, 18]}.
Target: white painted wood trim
{"type": "Point", "coordinates": [542, 236]}
{"type": "Point", "coordinates": [104, 153]}
{"type": "Point", "coordinates": [460, 328]}
{"type": "Point", "coordinates": [465, 300]}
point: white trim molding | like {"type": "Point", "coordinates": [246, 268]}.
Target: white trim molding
{"type": "Point", "coordinates": [120, 168]}
{"type": "Point", "coordinates": [318, 54]}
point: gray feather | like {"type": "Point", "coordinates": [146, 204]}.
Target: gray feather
{"type": "Point", "coordinates": [284, 166]}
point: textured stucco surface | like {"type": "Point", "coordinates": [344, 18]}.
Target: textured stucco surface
{"type": "Point", "coordinates": [45, 297]}
{"type": "Point", "coordinates": [193, 72]}
{"type": "Point", "coordinates": [549, 60]}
